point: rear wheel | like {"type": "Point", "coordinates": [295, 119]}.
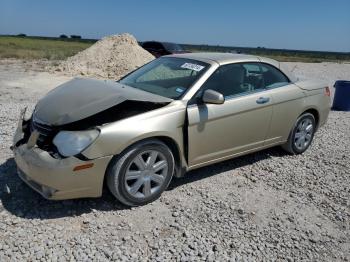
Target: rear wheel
{"type": "Point", "coordinates": [142, 173]}
{"type": "Point", "coordinates": [301, 135]}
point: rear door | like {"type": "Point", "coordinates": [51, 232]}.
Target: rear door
{"type": "Point", "coordinates": [240, 124]}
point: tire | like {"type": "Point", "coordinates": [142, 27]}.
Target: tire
{"type": "Point", "coordinates": [132, 177]}
{"type": "Point", "coordinates": [294, 145]}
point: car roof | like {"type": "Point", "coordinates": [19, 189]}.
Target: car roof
{"type": "Point", "coordinates": [227, 58]}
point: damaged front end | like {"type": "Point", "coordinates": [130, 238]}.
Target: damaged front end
{"type": "Point", "coordinates": [38, 146]}
{"type": "Point", "coordinates": [54, 177]}
{"type": "Point", "coordinates": [82, 105]}
{"type": "Point", "coordinates": [44, 134]}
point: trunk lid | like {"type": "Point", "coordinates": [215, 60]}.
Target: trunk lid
{"type": "Point", "coordinates": [311, 84]}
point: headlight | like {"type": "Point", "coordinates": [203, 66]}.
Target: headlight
{"type": "Point", "coordinates": [70, 143]}
{"type": "Point", "coordinates": [26, 113]}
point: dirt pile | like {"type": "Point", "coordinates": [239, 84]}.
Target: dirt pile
{"type": "Point", "coordinates": [111, 57]}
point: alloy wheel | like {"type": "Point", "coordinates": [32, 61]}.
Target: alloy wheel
{"type": "Point", "coordinates": [146, 174]}
{"type": "Point", "coordinates": [303, 134]}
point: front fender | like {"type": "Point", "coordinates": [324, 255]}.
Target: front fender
{"type": "Point", "coordinates": [116, 136]}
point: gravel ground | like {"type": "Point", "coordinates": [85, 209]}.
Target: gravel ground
{"type": "Point", "coordinates": [264, 206]}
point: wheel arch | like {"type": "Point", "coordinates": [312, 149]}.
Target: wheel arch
{"type": "Point", "coordinates": [168, 141]}
{"type": "Point", "coordinates": [315, 113]}
{"type": "Point", "coordinates": [288, 146]}
{"type": "Point", "coordinates": [175, 149]}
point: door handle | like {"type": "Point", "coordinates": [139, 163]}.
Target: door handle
{"type": "Point", "coordinates": [262, 100]}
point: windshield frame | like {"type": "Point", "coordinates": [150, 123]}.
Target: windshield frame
{"type": "Point", "coordinates": [206, 65]}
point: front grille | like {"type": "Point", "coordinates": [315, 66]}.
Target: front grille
{"type": "Point", "coordinates": [46, 134]}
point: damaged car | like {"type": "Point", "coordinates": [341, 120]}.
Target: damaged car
{"type": "Point", "coordinates": [174, 114]}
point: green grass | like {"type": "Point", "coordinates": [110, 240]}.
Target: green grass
{"type": "Point", "coordinates": [32, 48]}
{"type": "Point", "coordinates": [58, 49]}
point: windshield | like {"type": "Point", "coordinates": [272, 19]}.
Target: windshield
{"type": "Point", "coordinates": [166, 76]}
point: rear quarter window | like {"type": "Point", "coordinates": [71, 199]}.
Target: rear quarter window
{"type": "Point", "coordinates": [273, 77]}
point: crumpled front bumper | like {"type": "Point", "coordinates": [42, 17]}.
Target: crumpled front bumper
{"type": "Point", "coordinates": [55, 178]}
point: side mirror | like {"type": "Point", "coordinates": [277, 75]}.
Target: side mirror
{"type": "Point", "coordinates": [212, 97]}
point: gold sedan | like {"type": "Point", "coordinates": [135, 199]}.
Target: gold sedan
{"type": "Point", "coordinates": [175, 114]}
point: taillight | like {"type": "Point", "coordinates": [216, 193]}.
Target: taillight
{"type": "Point", "coordinates": [327, 91]}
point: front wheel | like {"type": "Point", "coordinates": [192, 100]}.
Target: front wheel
{"type": "Point", "coordinates": [141, 173]}
{"type": "Point", "coordinates": [301, 135]}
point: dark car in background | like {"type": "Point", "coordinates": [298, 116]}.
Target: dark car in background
{"type": "Point", "coordinates": [162, 48]}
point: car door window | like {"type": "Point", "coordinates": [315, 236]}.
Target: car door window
{"type": "Point", "coordinates": [155, 46]}
{"type": "Point", "coordinates": [235, 79]}
{"type": "Point", "coordinates": [147, 45]}
{"type": "Point", "coordinates": [273, 77]}
{"type": "Point", "coordinates": [254, 77]}
{"type": "Point", "coordinates": [159, 46]}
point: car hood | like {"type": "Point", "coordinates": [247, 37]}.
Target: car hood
{"type": "Point", "coordinates": [81, 98]}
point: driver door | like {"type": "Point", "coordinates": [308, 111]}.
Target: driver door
{"type": "Point", "coordinates": [240, 124]}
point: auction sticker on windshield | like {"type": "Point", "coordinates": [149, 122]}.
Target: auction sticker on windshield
{"type": "Point", "coordinates": [179, 90]}
{"type": "Point", "coordinates": [192, 66]}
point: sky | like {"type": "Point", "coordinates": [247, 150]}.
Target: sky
{"type": "Point", "coordinates": [298, 24]}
